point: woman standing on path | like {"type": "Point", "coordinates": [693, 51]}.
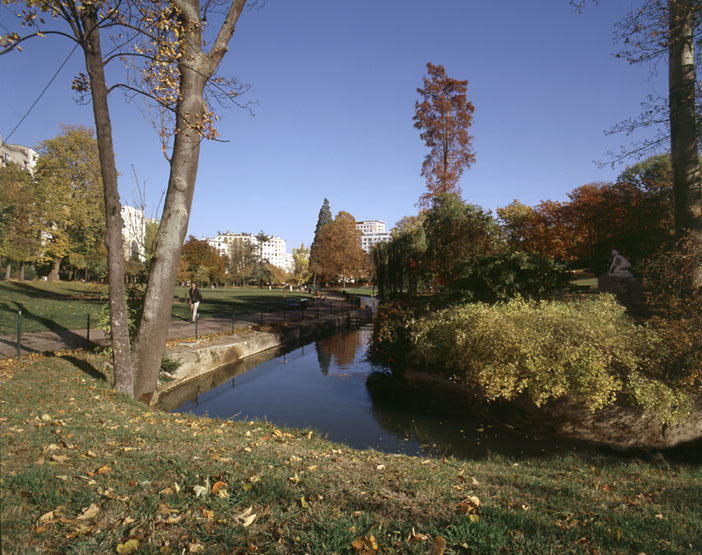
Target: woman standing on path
{"type": "Point", "coordinates": [195, 298]}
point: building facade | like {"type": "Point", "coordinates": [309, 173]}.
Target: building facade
{"type": "Point", "coordinates": [373, 233]}
{"type": "Point", "coordinates": [272, 250]}
{"type": "Point", "coordinates": [23, 156]}
{"type": "Point", "coordinates": [134, 233]}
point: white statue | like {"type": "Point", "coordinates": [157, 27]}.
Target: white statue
{"type": "Point", "coordinates": [620, 266]}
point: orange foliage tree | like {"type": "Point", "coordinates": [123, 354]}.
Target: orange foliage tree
{"type": "Point", "coordinates": [443, 115]}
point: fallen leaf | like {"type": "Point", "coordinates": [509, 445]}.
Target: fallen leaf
{"type": "Point", "coordinates": [218, 485]}
{"type": "Point", "coordinates": [303, 503]}
{"type": "Point", "coordinates": [414, 537]}
{"type": "Point", "coordinates": [128, 547]}
{"type": "Point", "coordinates": [89, 512]}
{"type": "Point", "coordinates": [245, 518]}
{"type": "Point", "coordinates": [199, 490]}
{"type": "Point", "coordinates": [470, 505]}
{"type": "Point", "coordinates": [365, 545]}
{"type": "Point", "coordinates": [60, 458]}
{"type": "Point", "coordinates": [438, 546]}
{"type": "Point", "coordinates": [104, 470]}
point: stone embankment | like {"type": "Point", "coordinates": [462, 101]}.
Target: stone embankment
{"type": "Point", "coordinates": [207, 355]}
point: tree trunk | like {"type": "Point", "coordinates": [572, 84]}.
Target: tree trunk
{"type": "Point", "coordinates": [8, 271]}
{"type": "Point", "coordinates": [54, 273]}
{"type": "Point", "coordinates": [21, 272]}
{"type": "Point", "coordinates": [121, 353]}
{"type": "Point", "coordinates": [687, 189]}
{"type": "Point", "coordinates": [195, 69]}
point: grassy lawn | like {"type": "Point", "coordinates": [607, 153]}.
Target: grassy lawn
{"type": "Point", "coordinates": [85, 470]}
{"type": "Point", "coordinates": [46, 306]}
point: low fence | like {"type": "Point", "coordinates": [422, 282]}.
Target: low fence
{"type": "Point", "coordinates": [17, 341]}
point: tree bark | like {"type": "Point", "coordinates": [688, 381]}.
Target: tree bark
{"type": "Point", "coordinates": [687, 189]}
{"type": "Point", "coordinates": [54, 273]}
{"type": "Point", "coordinates": [8, 271]}
{"type": "Point", "coordinates": [20, 277]}
{"type": "Point", "coordinates": [195, 70]}
{"type": "Point", "coordinates": [121, 353]}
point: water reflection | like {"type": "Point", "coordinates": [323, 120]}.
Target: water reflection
{"type": "Point", "coordinates": [325, 388]}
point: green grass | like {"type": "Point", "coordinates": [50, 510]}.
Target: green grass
{"type": "Point", "coordinates": [362, 290]}
{"type": "Point", "coordinates": [49, 306]}
{"type": "Point", "coordinates": [86, 470]}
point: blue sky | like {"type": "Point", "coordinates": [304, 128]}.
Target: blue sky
{"type": "Point", "coordinates": [335, 84]}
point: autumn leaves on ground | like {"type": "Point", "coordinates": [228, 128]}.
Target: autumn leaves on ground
{"type": "Point", "coordinates": [86, 470]}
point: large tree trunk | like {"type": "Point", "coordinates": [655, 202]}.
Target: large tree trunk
{"type": "Point", "coordinates": [687, 188]}
{"type": "Point", "coordinates": [20, 277]}
{"type": "Point", "coordinates": [8, 271]}
{"type": "Point", "coordinates": [121, 353]}
{"type": "Point", "coordinates": [54, 273]}
{"type": "Point", "coordinates": [195, 69]}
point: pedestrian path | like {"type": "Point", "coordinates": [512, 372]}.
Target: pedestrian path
{"type": "Point", "coordinates": [64, 339]}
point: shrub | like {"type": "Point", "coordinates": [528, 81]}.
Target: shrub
{"type": "Point", "coordinates": [504, 276]}
{"type": "Point", "coordinates": [586, 349]}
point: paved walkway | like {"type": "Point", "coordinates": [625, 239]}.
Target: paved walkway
{"type": "Point", "coordinates": [62, 338]}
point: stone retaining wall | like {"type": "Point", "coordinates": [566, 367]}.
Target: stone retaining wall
{"type": "Point", "coordinates": [207, 355]}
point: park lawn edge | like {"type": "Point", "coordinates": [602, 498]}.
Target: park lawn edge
{"type": "Point", "coordinates": [87, 470]}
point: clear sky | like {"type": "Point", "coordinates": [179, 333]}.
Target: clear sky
{"type": "Point", "coordinates": [335, 84]}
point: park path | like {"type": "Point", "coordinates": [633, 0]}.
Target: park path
{"type": "Point", "coordinates": [63, 338]}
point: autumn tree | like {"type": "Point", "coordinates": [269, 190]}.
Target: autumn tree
{"type": "Point", "coordinates": [20, 219]}
{"type": "Point", "coordinates": [340, 255]}
{"type": "Point", "coordinates": [301, 258]}
{"type": "Point", "coordinates": [443, 115]}
{"type": "Point", "coordinates": [71, 190]}
{"type": "Point", "coordinates": [202, 262]}
{"type": "Point", "coordinates": [176, 66]}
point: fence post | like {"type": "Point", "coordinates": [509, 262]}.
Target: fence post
{"type": "Point", "coordinates": [196, 321]}
{"type": "Point", "coordinates": [233, 314]}
{"type": "Point", "coordinates": [284, 313]}
{"type": "Point", "coordinates": [261, 318]}
{"type": "Point", "coordinates": [87, 331]}
{"type": "Point", "coordinates": [19, 334]}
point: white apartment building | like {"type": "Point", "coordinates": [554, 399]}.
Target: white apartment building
{"type": "Point", "coordinates": [134, 233]}
{"type": "Point", "coordinates": [373, 233]}
{"type": "Point", "coordinates": [24, 156]}
{"type": "Point", "coordinates": [273, 250]}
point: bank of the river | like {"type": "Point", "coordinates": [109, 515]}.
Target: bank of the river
{"type": "Point", "coordinates": [206, 355]}
{"type": "Point", "coordinates": [86, 470]}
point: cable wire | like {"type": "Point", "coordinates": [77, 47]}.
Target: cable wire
{"type": "Point", "coordinates": [42, 92]}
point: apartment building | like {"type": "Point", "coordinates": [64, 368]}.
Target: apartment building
{"type": "Point", "coordinates": [373, 233]}
{"type": "Point", "coordinates": [134, 233]}
{"type": "Point", "coordinates": [272, 250]}
{"type": "Point", "coordinates": [24, 156]}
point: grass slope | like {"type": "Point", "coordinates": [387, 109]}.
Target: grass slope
{"type": "Point", "coordinates": [85, 470]}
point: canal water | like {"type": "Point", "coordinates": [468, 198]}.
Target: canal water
{"type": "Point", "coordinates": [322, 385]}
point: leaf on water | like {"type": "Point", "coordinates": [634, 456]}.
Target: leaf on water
{"type": "Point", "coordinates": [365, 545]}
{"type": "Point", "coordinates": [89, 512]}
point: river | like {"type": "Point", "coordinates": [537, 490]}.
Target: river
{"type": "Point", "coordinates": [322, 385]}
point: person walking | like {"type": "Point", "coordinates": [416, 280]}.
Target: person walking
{"type": "Point", "coordinates": [195, 298]}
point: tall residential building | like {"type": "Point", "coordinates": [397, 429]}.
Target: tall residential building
{"type": "Point", "coordinates": [373, 233]}
{"type": "Point", "coordinates": [272, 250]}
{"type": "Point", "coordinates": [24, 156]}
{"type": "Point", "coordinates": [134, 233]}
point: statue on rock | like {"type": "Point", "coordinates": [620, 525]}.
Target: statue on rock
{"type": "Point", "coordinates": [620, 266]}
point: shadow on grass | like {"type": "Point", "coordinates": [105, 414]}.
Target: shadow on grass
{"type": "Point", "coordinates": [85, 366]}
